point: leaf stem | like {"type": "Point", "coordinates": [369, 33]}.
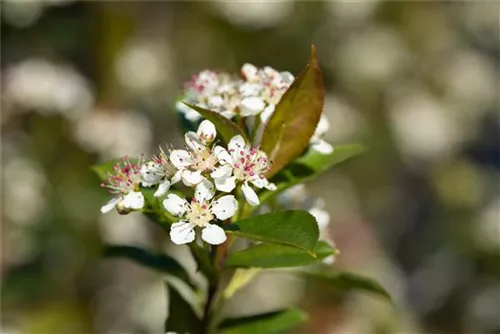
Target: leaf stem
{"type": "Point", "coordinates": [206, 319]}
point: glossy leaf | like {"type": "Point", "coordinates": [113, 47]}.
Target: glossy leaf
{"type": "Point", "coordinates": [348, 281]}
{"type": "Point", "coordinates": [181, 316]}
{"type": "Point", "coordinates": [295, 118]}
{"type": "Point", "coordinates": [226, 128]}
{"type": "Point", "coordinates": [294, 228]}
{"type": "Point", "coordinates": [273, 322]}
{"type": "Point", "coordinates": [240, 279]}
{"type": "Point", "coordinates": [278, 256]}
{"type": "Point", "coordinates": [160, 262]}
{"type": "Point", "coordinates": [309, 166]}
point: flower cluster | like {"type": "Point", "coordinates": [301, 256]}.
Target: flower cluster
{"type": "Point", "coordinates": [216, 91]}
{"type": "Point", "coordinates": [256, 92]}
{"type": "Point", "coordinates": [203, 165]}
{"type": "Point", "coordinates": [124, 184]}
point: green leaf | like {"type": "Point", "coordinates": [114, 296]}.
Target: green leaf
{"type": "Point", "coordinates": [294, 228]}
{"type": "Point", "coordinates": [278, 256]}
{"type": "Point", "coordinates": [273, 322]}
{"type": "Point", "coordinates": [226, 128]}
{"type": "Point", "coordinates": [348, 281]}
{"type": "Point", "coordinates": [181, 316]}
{"type": "Point", "coordinates": [309, 166]}
{"type": "Point", "coordinates": [160, 262]}
{"type": "Point", "coordinates": [294, 121]}
{"type": "Point", "coordinates": [240, 279]}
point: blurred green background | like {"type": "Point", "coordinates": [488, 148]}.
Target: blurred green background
{"type": "Point", "coordinates": [83, 82]}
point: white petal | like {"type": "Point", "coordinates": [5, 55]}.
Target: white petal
{"type": "Point", "coordinates": [225, 184]}
{"type": "Point", "coordinates": [190, 114]}
{"type": "Point", "coordinates": [250, 89]}
{"type": "Point", "coordinates": [193, 141]}
{"type": "Point", "coordinates": [237, 143]}
{"type": "Point", "coordinates": [270, 186]}
{"type": "Point", "coordinates": [287, 77]}
{"type": "Point", "coordinates": [146, 184]}
{"type": "Point", "coordinates": [133, 200]}
{"type": "Point", "coordinates": [110, 205]}
{"type": "Point", "coordinates": [267, 113]}
{"type": "Point", "coordinates": [181, 107]}
{"type": "Point", "coordinates": [182, 233]}
{"type": "Point", "coordinates": [249, 71]}
{"type": "Point", "coordinates": [215, 101]}
{"type": "Point", "coordinates": [322, 127]}
{"type": "Point", "coordinates": [162, 188]}
{"type": "Point", "coordinates": [229, 114]}
{"type": "Point", "coordinates": [322, 217]}
{"type": "Point", "coordinates": [204, 191]}
{"type": "Point", "coordinates": [329, 259]}
{"type": "Point", "coordinates": [270, 72]}
{"type": "Point", "coordinates": [191, 178]}
{"type": "Point", "coordinates": [181, 158]}
{"type": "Point", "coordinates": [250, 194]}
{"type": "Point", "coordinates": [222, 155]}
{"type": "Point", "coordinates": [322, 146]}
{"type": "Point", "coordinates": [177, 177]}
{"type": "Point", "coordinates": [251, 106]}
{"type": "Point", "coordinates": [224, 207]}
{"type": "Point", "coordinates": [259, 182]}
{"type": "Point", "coordinates": [206, 131]}
{"type": "Point", "coordinates": [222, 171]}
{"type": "Point", "coordinates": [150, 174]}
{"type": "Point", "coordinates": [213, 234]}
{"type": "Point", "coordinates": [175, 205]}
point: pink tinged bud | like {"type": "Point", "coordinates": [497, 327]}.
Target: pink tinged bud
{"type": "Point", "coordinates": [251, 173]}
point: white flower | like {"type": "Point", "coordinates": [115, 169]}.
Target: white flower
{"type": "Point", "coordinates": [250, 106]}
{"type": "Point", "coordinates": [262, 90]}
{"type": "Point", "coordinates": [200, 212]}
{"type": "Point", "coordinates": [250, 72]}
{"type": "Point", "coordinates": [211, 90]}
{"type": "Point", "coordinates": [199, 157]}
{"type": "Point", "coordinates": [124, 184]}
{"type": "Point", "coordinates": [317, 143]}
{"type": "Point", "coordinates": [265, 83]}
{"type": "Point", "coordinates": [245, 164]}
{"type": "Point", "coordinates": [159, 171]}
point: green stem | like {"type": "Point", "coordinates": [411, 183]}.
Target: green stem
{"type": "Point", "coordinates": [206, 321]}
